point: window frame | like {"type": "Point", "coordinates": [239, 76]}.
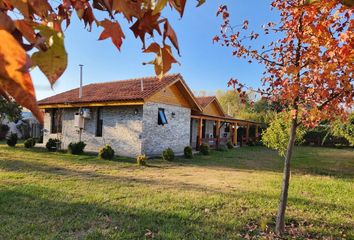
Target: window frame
{"type": "Point", "coordinates": [161, 117]}
{"type": "Point", "coordinates": [56, 126]}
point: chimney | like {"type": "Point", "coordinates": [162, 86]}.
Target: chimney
{"type": "Point", "coordinates": [142, 84]}
{"type": "Point", "coordinates": [80, 90]}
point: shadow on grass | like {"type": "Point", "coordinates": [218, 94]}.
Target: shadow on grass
{"type": "Point", "coordinates": [38, 212]}
{"type": "Point", "coordinates": [92, 176]}
{"type": "Point", "coordinates": [32, 212]}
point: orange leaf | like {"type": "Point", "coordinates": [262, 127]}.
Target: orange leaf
{"type": "Point", "coordinates": [170, 33]}
{"type": "Point", "coordinates": [164, 58]}
{"type": "Point", "coordinates": [178, 5]}
{"type": "Point", "coordinates": [15, 79]}
{"type": "Point", "coordinates": [26, 29]}
{"type": "Point", "coordinates": [112, 30]}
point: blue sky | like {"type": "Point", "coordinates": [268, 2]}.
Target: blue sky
{"type": "Point", "coordinates": [204, 65]}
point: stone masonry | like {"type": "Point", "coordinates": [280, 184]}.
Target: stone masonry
{"type": "Point", "coordinates": [175, 134]}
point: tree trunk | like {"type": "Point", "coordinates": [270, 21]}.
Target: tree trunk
{"type": "Point", "coordinates": [280, 222]}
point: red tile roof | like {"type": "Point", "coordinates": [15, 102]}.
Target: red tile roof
{"type": "Point", "coordinates": [204, 101]}
{"type": "Point", "coordinates": [124, 90]}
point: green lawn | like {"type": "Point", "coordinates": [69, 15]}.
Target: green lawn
{"type": "Point", "coordinates": [222, 196]}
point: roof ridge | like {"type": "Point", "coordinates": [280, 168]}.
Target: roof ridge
{"type": "Point", "coordinates": [135, 79]}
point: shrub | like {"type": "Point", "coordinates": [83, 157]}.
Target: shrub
{"type": "Point", "coordinates": [222, 148]}
{"type": "Point", "coordinates": [229, 145]}
{"type": "Point", "coordinates": [204, 149]}
{"type": "Point", "coordinates": [12, 140]}
{"type": "Point", "coordinates": [188, 152]}
{"type": "Point", "coordinates": [168, 154]}
{"type": "Point", "coordinates": [76, 147]}
{"type": "Point", "coordinates": [29, 143]}
{"type": "Point", "coordinates": [106, 152]}
{"type": "Point", "coordinates": [141, 160]}
{"type": "Point", "coordinates": [3, 131]}
{"type": "Point", "coordinates": [52, 144]}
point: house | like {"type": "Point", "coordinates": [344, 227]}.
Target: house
{"type": "Point", "coordinates": [140, 116]}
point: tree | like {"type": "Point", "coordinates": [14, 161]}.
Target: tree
{"type": "Point", "coordinates": [344, 129]}
{"type": "Point", "coordinates": [10, 110]}
{"type": "Point", "coordinates": [308, 67]}
{"type": "Point", "coordinates": [276, 136]}
{"type": "Point", "coordinates": [31, 36]}
{"type": "Point", "coordinates": [244, 108]}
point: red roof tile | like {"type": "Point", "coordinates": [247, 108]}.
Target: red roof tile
{"type": "Point", "coordinates": [124, 90]}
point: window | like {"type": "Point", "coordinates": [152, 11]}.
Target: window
{"type": "Point", "coordinates": [57, 119]}
{"type": "Point", "coordinates": [162, 120]}
{"type": "Point", "coordinates": [99, 124]}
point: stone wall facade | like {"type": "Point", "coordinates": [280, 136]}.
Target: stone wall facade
{"type": "Point", "coordinates": [130, 130]}
{"type": "Point", "coordinates": [122, 129]}
{"type": "Point", "coordinates": [175, 134]}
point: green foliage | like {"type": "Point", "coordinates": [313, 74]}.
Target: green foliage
{"type": "Point", "coordinates": [168, 154]}
{"type": "Point", "coordinates": [29, 143]}
{"type": "Point", "coordinates": [229, 145]}
{"type": "Point", "coordinates": [106, 152]}
{"type": "Point", "coordinates": [188, 152]}
{"type": "Point", "coordinates": [344, 129]}
{"type": "Point", "coordinates": [52, 144]}
{"type": "Point", "coordinates": [204, 149]}
{"type": "Point", "coordinates": [260, 111]}
{"type": "Point", "coordinates": [141, 160]}
{"type": "Point", "coordinates": [3, 131]}
{"type": "Point", "coordinates": [277, 135]}
{"type": "Point", "coordinates": [10, 109]}
{"type": "Point", "coordinates": [12, 140]}
{"type": "Point", "coordinates": [76, 148]}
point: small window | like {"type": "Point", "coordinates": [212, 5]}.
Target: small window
{"type": "Point", "coordinates": [162, 120]}
{"type": "Point", "coordinates": [99, 123]}
{"type": "Point", "coordinates": [56, 121]}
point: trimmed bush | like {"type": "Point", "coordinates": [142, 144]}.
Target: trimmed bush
{"type": "Point", "coordinates": [106, 152]}
{"type": "Point", "coordinates": [29, 143]}
{"type": "Point", "coordinates": [204, 149]}
{"type": "Point", "coordinates": [229, 145]}
{"type": "Point", "coordinates": [168, 154]}
{"type": "Point", "coordinates": [141, 160]}
{"type": "Point", "coordinates": [222, 148]}
{"type": "Point", "coordinates": [52, 143]}
{"type": "Point", "coordinates": [188, 152]}
{"type": "Point", "coordinates": [12, 140]}
{"type": "Point", "coordinates": [76, 148]}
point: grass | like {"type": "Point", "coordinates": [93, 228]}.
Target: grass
{"type": "Point", "coordinates": [60, 196]}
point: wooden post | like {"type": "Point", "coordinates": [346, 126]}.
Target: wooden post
{"type": "Point", "coordinates": [232, 132]}
{"type": "Point", "coordinates": [217, 133]}
{"type": "Point", "coordinates": [235, 134]}
{"type": "Point", "coordinates": [247, 133]}
{"type": "Point", "coordinates": [256, 132]}
{"type": "Point", "coordinates": [199, 134]}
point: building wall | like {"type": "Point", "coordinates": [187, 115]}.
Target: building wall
{"type": "Point", "coordinates": [122, 129]}
{"type": "Point", "coordinates": [175, 134]}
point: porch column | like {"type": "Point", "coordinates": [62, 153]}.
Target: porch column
{"type": "Point", "coordinates": [217, 133]}
{"type": "Point", "coordinates": [232, 132]}
{"type": "Point", "coordinates": [247, 132]}
{"type": "Point", "coordinates": [199, 133]}
{"type": "Point", "coordinates": [235, 134]}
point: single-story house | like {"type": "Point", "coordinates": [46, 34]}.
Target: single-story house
{"type": "Point", "coordinates": [141, 116]}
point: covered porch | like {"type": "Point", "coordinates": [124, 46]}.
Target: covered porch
{"type": "Point", "coordinates": [218, 130]}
